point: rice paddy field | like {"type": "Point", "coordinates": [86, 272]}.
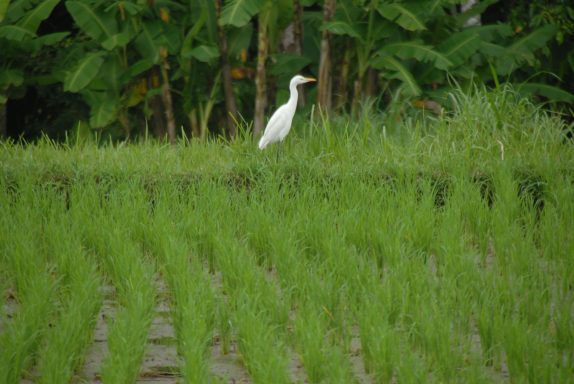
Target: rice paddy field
{"type": "Point", "coordinates": [437, 249]}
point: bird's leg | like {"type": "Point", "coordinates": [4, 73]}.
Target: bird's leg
{"type": "Point", "coordinates": [280, 150]}
{"type": "Point", "coordinates": [279, 146]}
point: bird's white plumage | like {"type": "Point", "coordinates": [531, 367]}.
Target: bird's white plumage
{"type": "Point", "coordinates": [280, 123]}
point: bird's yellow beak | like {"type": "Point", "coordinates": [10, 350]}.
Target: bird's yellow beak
{"type": "Point", "coordinates": [309, 79]}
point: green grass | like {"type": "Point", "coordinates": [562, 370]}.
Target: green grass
{"type": "Point", "coordinates": [66, 341]}
{"type": "Point", "coordinates": [436, 250]}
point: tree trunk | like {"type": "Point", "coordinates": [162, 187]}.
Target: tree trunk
{"type": "Point", "coordinates": [206, 108]}
{"type": "Point", "coordinates": [166, 98]}
{"type": "Point", "coordinates": [298, 41]}
{"type": "Point", "coordinates": [342, 91]}
{"type": "Point", "coordinates": [158, 123]}
{"type": "Point", "coordinates": [125, 122]}
{"type": "Point", "coordinates": [357, 96]}
{"type": "Point", "coordinates": [371, 86]}
{"type": "Point", "coordinates": [271, 91]}
{"type": "Point", "coordinates": [260, 77]}
{"type": "Point", "coordinates": [195, 130]}
{"type": "Point", "coordinates": [3, 127]}
{"type": "Point", "coordinates": [324, 83]}
{"type": "Point", "coordinates": [158, 126]}
{"type": "Point", "coordinates": [230, 105]}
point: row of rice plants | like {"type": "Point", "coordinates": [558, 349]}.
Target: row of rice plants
{"type": "Point", "coordinates": [108, 216]}
{"type": "Point", "coordinates": [439, 299]}
{"type": "Point", "coordinates": [78, 294]}
{"type": "Point", "coordinates": [257, 311]}
{"type": "Point", "coordinates": [56, 287]}
{"type": "Point", "coordinates": [287, 229]}
{"type": "Point", "coordinates": [267, 229]}
{"type": "Point", "coordinates": [461, 286]}
{"type": "Point", "coordinates": [193, 299]}
{"type": "Point", "coordinates": [526, 291]}
{"type": "Point", "coordinates": [440, 279]}
{"type": "Point", "coordinates": [28, 277]}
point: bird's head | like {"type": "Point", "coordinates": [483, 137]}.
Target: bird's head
{"type": "Point", "coordinates": [298, 79]}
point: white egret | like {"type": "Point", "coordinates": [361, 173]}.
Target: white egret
{"type": "Point", "coordinates": [280, 123]}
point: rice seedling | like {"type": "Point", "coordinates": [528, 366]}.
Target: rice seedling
{"type": "Point", "coordinates": [107, 220]}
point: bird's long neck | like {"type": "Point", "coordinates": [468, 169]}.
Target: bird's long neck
{"type": "Point", "coordinates": [293, 96]}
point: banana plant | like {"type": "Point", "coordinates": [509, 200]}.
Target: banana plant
{"type": "Point", "coordinates": [384, 37]}
{"type": "Point", "coordinates": [230, 105]}
{"type": "Point", "coordinates": [521, 51]}
{"type": "Point", "coordinates": [418, 46]}
{"type": "Point", "coordinates": [272, 17]}
{"type": "Point", "coordinates": [410, 44]}
{"type": "Point", "coordinates": [197, 65]}
{"type": "Point", "coordinates": [20, 44]}
{"type": "Point", "coordinates": [238, 13]}
{"type": "Point", "coordinates": [490, 51]}
{"type": "Point", "coordinates": [360, 23]}
{"type": "Point", "coordinates": [128, 42]}
{"type": "Point", "coordinates": [99, 71]}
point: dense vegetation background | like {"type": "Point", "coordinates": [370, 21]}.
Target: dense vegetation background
{"type": "Point", "coordinates": [124, 69]}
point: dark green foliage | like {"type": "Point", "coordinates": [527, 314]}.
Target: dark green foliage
{"type": "Point", "coordinates": [104, 67]}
